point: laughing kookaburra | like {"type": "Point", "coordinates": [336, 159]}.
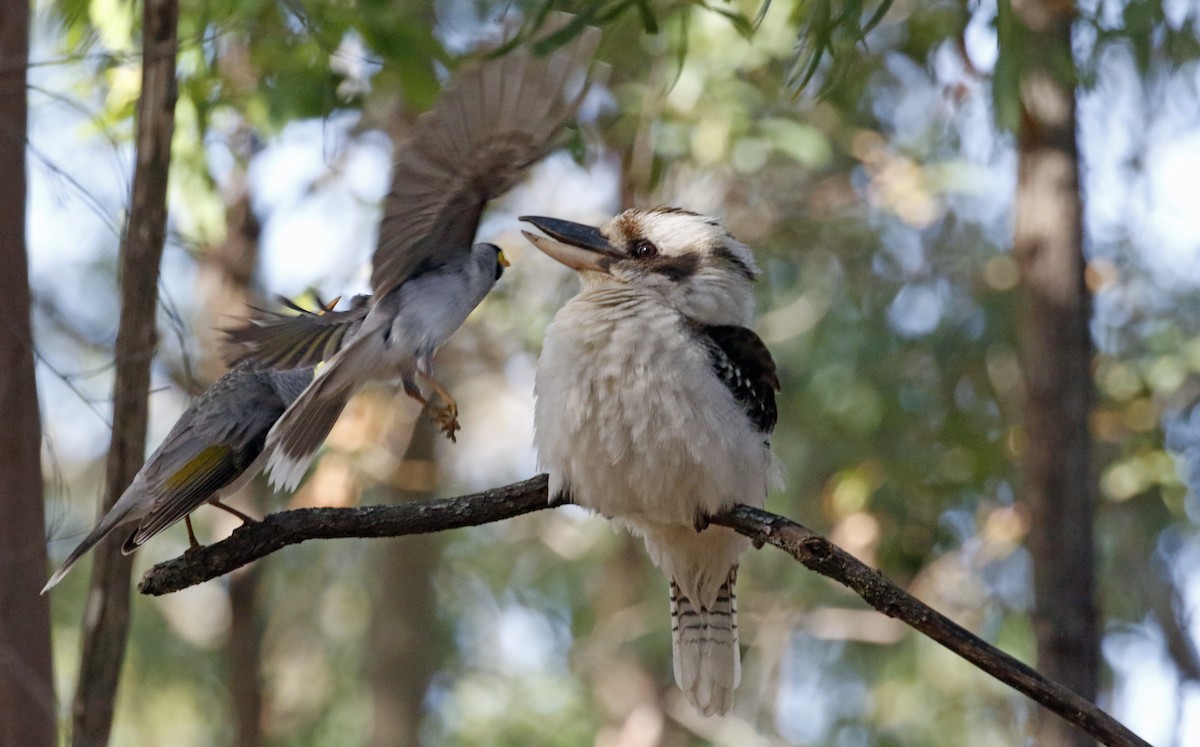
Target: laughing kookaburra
{"type": "Point", "coordinates": [655, 404]}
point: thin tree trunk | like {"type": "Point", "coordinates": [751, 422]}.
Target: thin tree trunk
{"type": "Point", "coordinates": [1056, 359]}
{"type": "Point", "coordinates": [27, 708]}
{"type": "Point", "coordinates": [243, 655]}
{"type": "Point", "coordinates": [106, 620]}
{"type": "Point", "coordinates": [405, 646]}
{"type": "Point", "coordinates": [226, 272]}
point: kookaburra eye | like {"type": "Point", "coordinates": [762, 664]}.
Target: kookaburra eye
{"type": "Point", "coordinates": [643, 249]}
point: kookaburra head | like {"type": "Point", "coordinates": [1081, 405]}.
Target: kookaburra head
{"type": "Point", "coordinates": [689, 261]}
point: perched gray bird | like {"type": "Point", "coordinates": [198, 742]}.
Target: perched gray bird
{"type": "Point", "coordinates": [212, 451]}
{"type": "Point", "coordinates": [654, 408]}
{"type": "Point", "coordinates": [491, 123]}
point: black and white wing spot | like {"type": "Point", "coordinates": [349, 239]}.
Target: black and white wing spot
{"type": "Point", "coordinates": [741, 360]}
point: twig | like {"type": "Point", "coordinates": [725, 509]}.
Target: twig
{"type": "Point", "coordinates": [811, 549]}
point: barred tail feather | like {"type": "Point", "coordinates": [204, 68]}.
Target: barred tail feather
{"type": "Point", "coordinates": [708, 665]}
{"type": "Point", "coordinates": [294, 441]}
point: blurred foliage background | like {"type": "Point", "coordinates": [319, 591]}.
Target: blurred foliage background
{"type": "Point", "coordinates": [877, 197]}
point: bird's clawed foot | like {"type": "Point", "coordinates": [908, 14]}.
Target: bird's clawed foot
{"type": "Point", "coordinates": [446, 418]}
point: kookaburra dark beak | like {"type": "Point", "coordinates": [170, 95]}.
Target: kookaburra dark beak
{"type": "Point", "coordinates": [577, 246]}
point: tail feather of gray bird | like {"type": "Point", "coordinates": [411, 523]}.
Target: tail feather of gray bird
{"type": "Point", "coordinates": [107, 524]}
{"type": "Point", "coordinates": [298, 435]}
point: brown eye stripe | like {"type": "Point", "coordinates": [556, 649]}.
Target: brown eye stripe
{"type": "Point", "coordinates": [674, 268]}
{"type": "Point", "coordinates": [723, 252]}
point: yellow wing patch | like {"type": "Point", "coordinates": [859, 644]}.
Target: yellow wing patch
{"type": "Point", "coordinates": [203, 463]}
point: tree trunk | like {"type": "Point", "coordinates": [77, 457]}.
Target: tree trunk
{"type": "Point", "coordinates": [243, 655]}
{"type": "Point", "coordinates": [225, 276]}
{"type": "Point", "coordinates": [405, 646]}
{"type": "Point", "coordinates": [27, 708]}
{"type": "Point", "coordinates": [106, 620]}
{"type": "Point", "coordinates": [1056, 360]}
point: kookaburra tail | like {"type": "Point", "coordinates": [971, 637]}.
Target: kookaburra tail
{"type": "Point", "coordinates": [655, 404]}
{"type": "Point", "coordinates": [492, 122]}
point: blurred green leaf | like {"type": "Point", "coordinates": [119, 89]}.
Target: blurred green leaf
{"type": "Point", "coordinates": [649, 22]}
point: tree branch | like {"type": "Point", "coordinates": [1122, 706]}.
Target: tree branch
{"type": "Point", "coordinates": [279, 530]}
{"type": "Point", "coordinates": [811, 549]}
{"type": "Point", "coordinates": [819, 554]}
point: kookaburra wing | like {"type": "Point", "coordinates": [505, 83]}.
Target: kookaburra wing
{"type": "Point", "coordinates": [491, 123]}
{"type": "Point", "coordinates": [655, 404]}
{"type": "Point", "coordinates": [214, 449]}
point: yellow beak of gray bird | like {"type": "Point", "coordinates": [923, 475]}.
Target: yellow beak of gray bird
{"type": "Point", "coordinates": [655, 405]}
{"type": "Point", "coordinates": [213, 450]}
{"type": "Point", "coordinates": [490, 125]}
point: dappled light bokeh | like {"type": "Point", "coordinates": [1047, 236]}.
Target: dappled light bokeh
{"type": "Point", "coordinates": [881, 215]}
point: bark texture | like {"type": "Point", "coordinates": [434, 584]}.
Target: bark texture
{"type": "Point", "coordinates": [1056, 359]}
{"type": "Point", "coordinates": [27, 708]}
{"type": "Point", "coordinates": [106, 621]}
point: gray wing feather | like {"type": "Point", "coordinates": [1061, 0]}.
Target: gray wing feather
{"type": "Point", "coordinates": [491, 123]}
{"type": "Point", "coordinates": [232, 418]}
{"type": "Point", "coordinates": [236, 412]}
{"type": "Point", "coordinates": [286, 341]}
{"type": "Point", "coordinates": [178, 502]}
{"type": "Point", "coordinates": [213, 444]}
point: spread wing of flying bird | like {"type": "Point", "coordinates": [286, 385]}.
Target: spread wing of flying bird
{"type": "Point", "coordinates": [301, 340]}
{"type": "Point", "coordinates": [491, 123]}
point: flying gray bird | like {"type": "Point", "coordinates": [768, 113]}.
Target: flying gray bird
{"type": "Point", "coordinates": [489, 126]}
{"type": "Point", "coordinates": [655, 404]}
{"type": "Point", "coordinates": [212, 451]}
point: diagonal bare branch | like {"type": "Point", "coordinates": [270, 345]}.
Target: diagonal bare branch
{"type": "Point", "coordinates": [819, 554]}
{"type": "Point", "coordinates": [812, 550]}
